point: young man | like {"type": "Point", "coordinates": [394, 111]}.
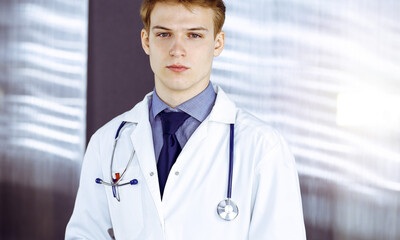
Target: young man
{"type": "Point", "coordinates": [174, 152]}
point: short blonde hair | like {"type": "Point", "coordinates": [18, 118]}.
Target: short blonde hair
{"type": "Point", "coordinates": [217, 6]}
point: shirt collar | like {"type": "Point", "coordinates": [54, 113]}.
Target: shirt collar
{"type": "Point", "coordinates": [205, 99]}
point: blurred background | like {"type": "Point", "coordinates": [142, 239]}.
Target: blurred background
{"type": "Point", "coordinates": [326, 74]}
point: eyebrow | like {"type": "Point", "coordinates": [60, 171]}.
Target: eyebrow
{"type": "Point", "coordinates": [189, 29]}
{"type": "Point", "coordinates": [198, 29]}
{"type": "Point", "coordinates": [160, 27]}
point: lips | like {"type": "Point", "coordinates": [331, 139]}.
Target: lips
{"type": "Point", "coordinates": [177, 68]}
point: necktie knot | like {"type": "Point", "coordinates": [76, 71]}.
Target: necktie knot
{"type": "Point", "coordinates": [171, 121]}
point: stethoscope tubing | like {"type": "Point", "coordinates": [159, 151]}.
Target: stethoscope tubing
{"type": "Point", "coordinates": [116, 182]}
{"type": "Point", "coordinates": [112, 156]}
{"type": "Point", "coordinates": [231, 147]}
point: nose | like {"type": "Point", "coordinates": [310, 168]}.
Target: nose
{"type": "Point", "coordinates": [177, 48]}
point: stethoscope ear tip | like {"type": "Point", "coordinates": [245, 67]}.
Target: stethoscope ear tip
{"type": "Point", "coordinates": [134, 182]}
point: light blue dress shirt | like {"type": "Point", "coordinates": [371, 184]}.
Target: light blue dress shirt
{"type": "Point", "coordinates": [198, 107]}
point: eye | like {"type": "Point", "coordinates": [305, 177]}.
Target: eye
{"type": "Point", "coordinates": [195, 35]}
{"type": "Point", "coordinates": [163, 35]}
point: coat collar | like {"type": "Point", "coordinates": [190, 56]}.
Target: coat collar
{"type": "Point", "coordinates": [140, 112]}
{"type": "Point", "coordinates": [224, 109]}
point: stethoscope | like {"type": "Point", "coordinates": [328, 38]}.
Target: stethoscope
{"type": "Point", "coordinates": [115, 182]}
{"type": "Point", "coordinates": [226, 209]}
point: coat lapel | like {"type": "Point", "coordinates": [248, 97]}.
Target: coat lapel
{"type": "Point", "coordinates": [142, 142]}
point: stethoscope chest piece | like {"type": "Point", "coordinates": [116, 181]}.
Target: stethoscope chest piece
{"type": "Point", "coordinates": [227, 209]}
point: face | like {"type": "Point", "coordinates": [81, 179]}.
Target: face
{"type": "Point", "coordinates": [181, 46]}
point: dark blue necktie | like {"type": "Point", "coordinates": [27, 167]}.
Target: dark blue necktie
{"type": "Point", "coordinates": [170, 150]}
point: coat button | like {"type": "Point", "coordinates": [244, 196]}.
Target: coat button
{"type": "Point", "coordinates": [176, 173]}
{"type": "Point", "coordinates": [151, 173]}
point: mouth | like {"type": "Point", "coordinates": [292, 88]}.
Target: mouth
{"type": "Point", "coordinates": [177, 68]}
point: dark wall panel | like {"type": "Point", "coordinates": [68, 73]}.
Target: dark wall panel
{"type": "Point", "coordinates": [119, 74]}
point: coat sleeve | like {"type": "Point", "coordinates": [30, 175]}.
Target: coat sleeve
{"type": "Point", "coordinates": [277, 209]}
{"type": "Point", "coordinates": [90, 218]}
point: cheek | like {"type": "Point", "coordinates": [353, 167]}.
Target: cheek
{"type": "Point", "coordinates": [156, 56]}
{"type": "Point", "coordinates": [158, 45]}
{"type": "Point", "coordinates": [155, 62]}
{"type": "Point", "coordinates": [203, 51]}
{"type": "Point", "coordinates": [206, 56]}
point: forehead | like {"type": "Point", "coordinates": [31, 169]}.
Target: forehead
{"type": "Point", "coordinates": [175, 15]}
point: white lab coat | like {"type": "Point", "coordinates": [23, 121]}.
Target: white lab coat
{"type": "Point", "coordinates": [265, 182]}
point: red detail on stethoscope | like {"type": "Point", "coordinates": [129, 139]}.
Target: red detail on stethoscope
{"type": "Point", "coordinates": [116, 177]}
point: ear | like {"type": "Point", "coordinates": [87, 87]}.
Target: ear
{"type": "Point", "coordinates": [145, 41]}
{"type": "Point", "coordinates": [219, 43]}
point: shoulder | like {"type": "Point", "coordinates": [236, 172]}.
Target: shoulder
{"type": "Point", "coordinates": [260, 138]}
{"type": "Point", "coordinates": [106, 134]}
{"type": "Point", "coordinates": [248, 125]}
{"type": "Point", "coordinates": [249, 130]}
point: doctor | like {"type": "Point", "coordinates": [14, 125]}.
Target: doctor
{"type": "Point", "coordinates": [173, 153]}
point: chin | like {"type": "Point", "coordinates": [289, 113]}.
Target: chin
{"type": "Point", "coordinates": [179, 87]}
{"type": "Point", "coordinates": [181, 83]}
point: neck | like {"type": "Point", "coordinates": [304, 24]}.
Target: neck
{"type": "Point", "coordinates": [175, 97]}
{"type": "Point", "coordinates": [174, 101]}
